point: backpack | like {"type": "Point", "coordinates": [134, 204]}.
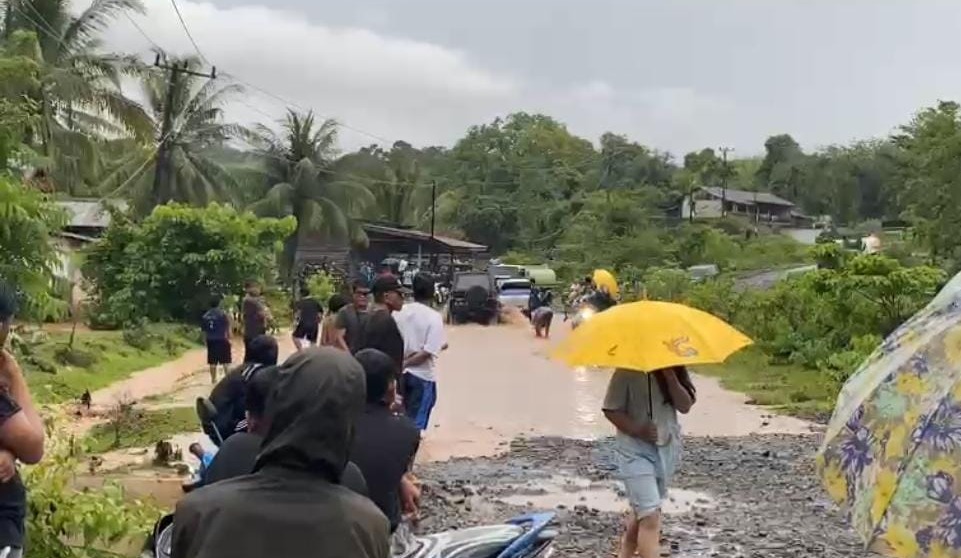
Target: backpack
{"type": "Point", "coordinates": [209, 322]}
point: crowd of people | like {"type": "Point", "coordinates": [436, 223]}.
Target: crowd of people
{"type": "Point", "coordinates": [348, 407]}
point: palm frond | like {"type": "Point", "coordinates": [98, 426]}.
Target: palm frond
{"type": "Point", "coordinates": [94, 20]}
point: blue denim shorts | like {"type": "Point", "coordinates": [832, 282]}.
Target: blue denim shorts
{"type": "Point", "coordinates": [647, 471]}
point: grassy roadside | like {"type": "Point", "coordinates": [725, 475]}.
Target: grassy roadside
{"type": "Point", "coordinates": [98, 358]}
{"type": "Point", "coordinates": [141, 429]}
{"type": "Point", "coordinates": [787, 388]}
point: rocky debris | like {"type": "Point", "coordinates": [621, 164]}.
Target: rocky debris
{"type": "Point", "coordinates": [753, 497]}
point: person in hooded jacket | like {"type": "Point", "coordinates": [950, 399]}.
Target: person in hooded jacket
{"type": "Point", "coordinates": [292, 506]}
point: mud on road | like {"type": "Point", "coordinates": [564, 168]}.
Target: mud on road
{"type": "Point", "coordinates": [754, 496]}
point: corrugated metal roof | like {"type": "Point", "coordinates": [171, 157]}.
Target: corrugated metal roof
{"type": "Point", "coordinates": [90, 214]}
{"type": "Point", "coordinates": [421, 235]}
{"type": "Point", "coordinates": [746, 197]}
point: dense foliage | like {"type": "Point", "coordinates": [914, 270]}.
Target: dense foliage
{"type": "Point", "coordinates": [64, 521]}
{"type": "Point", "coordinates": [828, 318]}
{"type": "Point", "coordinates": [168, 266]}
{"type": "Point", "coordinates": [28, 257]}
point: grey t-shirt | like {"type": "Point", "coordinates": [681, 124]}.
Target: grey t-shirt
{"type": "Point", "coordinates": [352, 321]}
{"type": "Point", "coordinates": [639, 395]}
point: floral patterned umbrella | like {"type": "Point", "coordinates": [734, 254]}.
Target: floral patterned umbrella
{"type": "Point", "coordinates": [892, 452]}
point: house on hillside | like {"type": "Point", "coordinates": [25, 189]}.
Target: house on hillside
{"type": "Point", "coordinates": [442, 253]}
{"type": "Point", "coordinates": [761, 206]}
{"type": "Point", "coordinates": [86, 222]}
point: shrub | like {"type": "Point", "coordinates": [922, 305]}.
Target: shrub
{"type": "Point", "coordinates": [168, 267]}
{"type": "Point", "coordinates": [65, 522]}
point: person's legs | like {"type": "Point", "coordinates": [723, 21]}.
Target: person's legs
{"type": "Point", "coordinates": [413, 392]}
{"type": "Point", "coordinates": [427, 401]}
{"type": "Point", "coordinates": [639, 472]}
{"type": "Point", "coordinates": [649, 536]}
{"type": "Point", "coordinates": [213, 373]}
{"type": "Point", "coordinates": [297, 342]}
{"type": "Point", "coordinates": [629, 539]}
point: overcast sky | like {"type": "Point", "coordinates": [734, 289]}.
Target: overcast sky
{"type": "Point", "coordinates": [674, 74]}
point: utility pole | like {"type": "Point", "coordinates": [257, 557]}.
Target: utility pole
{"type": "Point", "coordinates": [433, 207]}
{"type": "Point", "coordinates": [162, 171]}
{"type": "Point", "coordinates": [724, 172]}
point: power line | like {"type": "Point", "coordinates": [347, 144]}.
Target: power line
{"type": "Point", "coordinates": [142, 32]}
{"type": "Point", "coordinates": [187, 31]}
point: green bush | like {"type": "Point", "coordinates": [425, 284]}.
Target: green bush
{"type": "Point", "coordinates": [322, 286]}
{"type": "Point", "coordinates": [168, 267]}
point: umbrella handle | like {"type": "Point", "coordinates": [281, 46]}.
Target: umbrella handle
{"type": "Point", "coordinates": [650, 397]}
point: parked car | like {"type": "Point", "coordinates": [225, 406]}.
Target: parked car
{"type": "Point", "coordinates": [473, 298]}
{"type": "Point", "coordinates": [514, 293]}
{"type": "Point", "coordinates": [700, 273]}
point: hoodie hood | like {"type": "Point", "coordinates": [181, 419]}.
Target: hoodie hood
{"type": "Point", "coordinates": [311, 411]}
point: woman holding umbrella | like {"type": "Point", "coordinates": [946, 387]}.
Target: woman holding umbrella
{"type": "Point", "coordinates": [650, 345]}
{"type": "Point", "coordinates": [648, 446]}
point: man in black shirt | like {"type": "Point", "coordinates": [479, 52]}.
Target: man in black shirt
{"type": "Point", "coordinates": [255, 314]}
{"type": "Point", "coordinates": [228, 395]}
{"type": "Point", "coordinates": [216, 327]}
{"type": "Point", "coordinates": [350, 320]}
{"type": "Point", "coordinates": [238, 454]}
{"type": "Point", "coordinates": [21, 435]}
{"type": "Point", "coordinates": [380, 329]}
{"type": "Point", "coordinates": [385, 443]}
{"type": "Point", "coordinates": [307, 317]}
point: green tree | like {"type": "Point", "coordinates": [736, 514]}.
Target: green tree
{"type": "Point", "coordinates": [396, 180]}
{"type": "Point", "coordinates": [930, 147]}
{"type": "Point", "coordinates": [302, 184]}
{"type": "Point", "coordinates": [198, 127]}
{"type": "Point", "coordinates": [28, 257]}
{"type": "Point", "coordinates": [168, 266]}
{"type": "Point", "coordinates": [80, 100]}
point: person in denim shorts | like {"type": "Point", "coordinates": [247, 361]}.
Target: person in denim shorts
{"type": "Point", "coordinates": [643, 407]}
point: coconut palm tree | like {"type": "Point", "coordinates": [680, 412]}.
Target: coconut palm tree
{"type": "Point", "coordinates": [197, 130]}
{"type": "Point", "coordinates": [80, 98]}
{"type": "Point", "coordinates": [301, 182]}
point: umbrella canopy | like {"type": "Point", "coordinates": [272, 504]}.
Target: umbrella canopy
{"type": "Point", "coordinates": [892, 452]}
{"type": "Point", "coordinates": [606, 280]}
{"type": "Point", "coordinates": [648, 336]}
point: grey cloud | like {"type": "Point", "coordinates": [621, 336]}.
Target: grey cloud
{"type": "Point", "coordinates": [678, 74]}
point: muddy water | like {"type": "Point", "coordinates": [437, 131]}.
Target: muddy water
{"type": "Point", "coordinates": [497, 383]}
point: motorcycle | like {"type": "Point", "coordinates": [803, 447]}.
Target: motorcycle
{"type": "Point", "coordinates": [441, 294]}
{"type": "Point", "coordinates": [527, 536]}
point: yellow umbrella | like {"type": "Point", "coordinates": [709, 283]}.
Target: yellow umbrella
{"type": "Point", "coordinates": [648, 336]}
{"type": "Point", "coordinates": [605, 279]}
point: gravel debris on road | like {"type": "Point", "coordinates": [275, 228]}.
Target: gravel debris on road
{"type": "Point", "coordinates": [748, 497]}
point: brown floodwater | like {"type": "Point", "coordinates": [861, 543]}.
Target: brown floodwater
{"type": "Point", "coordinates": [498, 383]}
{"type": "Point", "coordinates": [494, 384]}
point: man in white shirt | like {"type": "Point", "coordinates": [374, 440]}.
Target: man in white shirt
{"type": "Point", "coordinates": [424, 338]}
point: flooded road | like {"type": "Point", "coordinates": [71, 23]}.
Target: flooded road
{"type": "Point", "coordinates": [498, 383]}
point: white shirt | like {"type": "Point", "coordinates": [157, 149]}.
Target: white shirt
{"type": "Point", "coordinates": [423, 330]}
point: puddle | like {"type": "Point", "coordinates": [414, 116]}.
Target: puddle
{"type": "Point", "coordinates": [605, 496]}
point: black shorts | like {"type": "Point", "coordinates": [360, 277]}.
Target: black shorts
{"type": "Point", "coordinates": [308, 332]}
{"type": "Point", "coordinates": [218, 351]}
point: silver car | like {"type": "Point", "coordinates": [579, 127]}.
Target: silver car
{"type": "Point", "coordinates": [514, 293]}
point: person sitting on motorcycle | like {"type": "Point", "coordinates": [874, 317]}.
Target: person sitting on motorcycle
{"type": "Point", "coordinates": [228, 395]}
{"type": "Point", "coordinates": [293, 503]}
{"type": "Point", "coordinates": [238, 454]}
{"type": "Point", "coordinates": [385, 442]}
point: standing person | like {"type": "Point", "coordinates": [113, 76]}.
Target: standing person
{"type": "Point", "coordinates": [328, 331]}
{"type": "Point", "coordinates": [385, 443]}
{"type": "Point", "coordinates": [307, 314]}
{"type": "Point", "coordinates": [293, 504]}
{"type": "Point", "coordinates": [349, 323]}
{"type": "Point", "coordinates": [255, 314]}
{"type": "Point", "coordinates": [21, 435]}
{"type": "Point", "coordinates": [216, 326]}
{"type": "Point", "coordinates": [643, 408]}
{"type": "Point", "coordinates": [380, 329]}
{"type": "Point", "coordinates": [422, 328]}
